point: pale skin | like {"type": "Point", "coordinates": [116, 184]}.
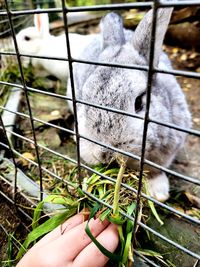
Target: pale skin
{"type": "Point", "coordinates": [70, 246]}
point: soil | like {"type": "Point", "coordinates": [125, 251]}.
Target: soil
{"type": "Point", "coordinates": [11, 223]}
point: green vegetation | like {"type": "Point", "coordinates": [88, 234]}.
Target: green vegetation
{"type": "Point", "coordinates": [8, 74]}
{"type": "Point", "coordinates": [74, 199]}
{"type": "Point", "coordinates": [87, 2]}
{"type": "Point", "coordinates": [96, 2]}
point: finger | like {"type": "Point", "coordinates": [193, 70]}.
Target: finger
{"type": "Point", "coordinates": [61, 229]}
{"type": "Point", "coordinates": [76, 239]}
{"type": "Point", "coordinates": [92, 256]}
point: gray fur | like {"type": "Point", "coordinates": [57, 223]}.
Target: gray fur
{"type": "Point", "coordinates": [118, 88]}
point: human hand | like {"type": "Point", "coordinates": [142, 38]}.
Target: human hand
{"type": "Point", "coordinates": [70, 246]}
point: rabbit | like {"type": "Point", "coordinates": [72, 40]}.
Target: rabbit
{"type": "Point", "coordinates": [125, 89]}
{"type": "Point", "coordinates": [39, 42]}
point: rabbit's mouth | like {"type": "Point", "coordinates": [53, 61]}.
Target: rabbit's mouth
{"type": "Point", "coordinates": [107, 155]}
{"type": "Point", "coordinates": [130, 147]}
{"type": "Point", "coordinates": [95, 154]}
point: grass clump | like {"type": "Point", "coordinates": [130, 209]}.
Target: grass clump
{"type": "Point", "coordinates": [109, 190]}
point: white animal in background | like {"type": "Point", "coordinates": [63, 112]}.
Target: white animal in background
{"type": "Point", "coordinates": [37, 41]}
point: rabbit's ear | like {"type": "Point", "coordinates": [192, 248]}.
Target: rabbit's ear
{"type": "Point", "coordinates": [142, 36]}
{"type": "Point", "coordinates": [112, 30]}
{"type": "Point", "coordinates": [41, 22]}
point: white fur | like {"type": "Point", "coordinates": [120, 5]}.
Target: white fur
{"type": "Point", "coordinates": [158, 187]}
{"type": "Point", "coordinates": [42, 43]}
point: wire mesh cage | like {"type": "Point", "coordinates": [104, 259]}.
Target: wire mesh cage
{"type": "Point", "coordinates": [35, 121]}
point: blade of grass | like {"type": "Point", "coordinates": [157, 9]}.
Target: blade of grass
{"type": "Point", "coordinates": [129, 233]}
{"type": "Point", "coordinates": [118, 185]}
{"type": "Point", "coordinates": [37, 214]}
{"type": "Point", "coordinates": [151, 205]}
{"type": "Point", "coordinates": [9, 251]}
{"type": "Point", "coordinates": [113, 257]}
{"type": "Point", "coordinates": [57, 199]}
{"type": "Point", "coordinates": [127, 247]}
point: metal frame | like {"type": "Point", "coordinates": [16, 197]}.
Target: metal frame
{"type": "Point", "coordinates": [10, 15]}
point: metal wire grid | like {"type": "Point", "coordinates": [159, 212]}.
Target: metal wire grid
{"type": "Point", "coordinates": [19, 21]}
{"type": "Point", "coordinates": [22, 22]}
{"type": "Point", "coordinates": [150, 70]}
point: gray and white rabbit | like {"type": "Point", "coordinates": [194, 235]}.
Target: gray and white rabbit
{"type": "Point", "coordinates": [38, 41]}
{"type": "Point", "coordinates": [125, 89]}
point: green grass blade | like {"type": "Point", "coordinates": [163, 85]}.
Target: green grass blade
{"type": "Point", "coordinates": [113, 257]}
{"type": "Point", "coordinates": [61, 200]}
{"type": "Point", "coordinates": [104, 215]}
{"type": "Point", "coordinates": [151, 205]}
{"type": "Point", "coordinates": [153, 209]}
{"type": "Point", "coordinates": [127, 247]}
{"type": "Point", "coordinates": [9, 251]}
{"type": "Point", "coordinates": [37, 214]}
{"type": "Point", "coordinates": [111, 171]}
{"type": "Point", "coordinates": [150, 253]}
{"type": "Point", "coordinates": [95, 177]}
{"type": "Point", "coordinates": [122, 240]}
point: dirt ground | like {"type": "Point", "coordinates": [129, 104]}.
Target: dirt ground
{"type": "Point", "coordinates": [188, 160]}
{"type": "Point", "coordinates": [11, 222]}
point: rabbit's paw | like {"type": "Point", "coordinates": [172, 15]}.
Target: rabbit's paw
{"type": "Point", "coordinates": [159, 187]}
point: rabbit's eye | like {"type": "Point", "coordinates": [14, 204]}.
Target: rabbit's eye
{"type": "Point", "coordinates": [138, 103]}
{"type": "Point", "coordinates": [27, 38]}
